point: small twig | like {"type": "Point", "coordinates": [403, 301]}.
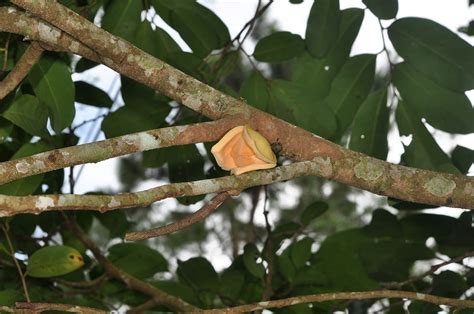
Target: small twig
{"type": "Point", "coordinates": [269, 256]}
{"type": "Point", "coordinates": [363, 295]}
{"type": "Point", "coordinates": [195, 217]}
{"type": "Point", "coordinates": [88, 121]}
{"type": "Point", "coordinates": [42, 307]}
{"type": "Point", "coordinates": [431, 271]}
{"type": "Point", "coordinates": [86, 284]}
{"type": "Point", "coordinates": [5, 57]}
{"type": "Point", "coordinates": [5, 227]}
{"type": "Point", "coordinates": [21, 69]}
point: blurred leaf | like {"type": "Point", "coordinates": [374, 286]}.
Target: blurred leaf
{"type": "Point", "coordinates": [137, 259]}
{"type": "Point", "coordinates": [459, 240]}
{"type": "Point", "coordinates": [449, 284]}
{"type": "Point", "coordinates": [27, 185]}
{"type": "Point", "coordinates": [423, 151]}
{"type": "Point", "coordinates": [52, 83]}
{"type": "Point", "coordinates": [200, 28]}
{"type": "Point", "coordinates": [88, 94]}
{"type": "Point", "coordinates": [435, 51]}
{"type": "Point", "coordinates": [279, 47]}
{"type": "Point", "coordinates": [27, 113]}
{"type": "Point", "coordinates": [322, 27]}
{"type": "Point", "coordinates": [136, 118]}
{"type": "Point", "coordinates": [52, 261]}
{"type": "Point", "coordinates": [462, 158]}
{"type": "Point", "coordinates": [122, 18]}
{"type": "Point", "coordinates": [383, 9]}
{"type": "Point", "coordinates": [9, 297]}
{"type": "Point", "coordinates": [5, 129]}
{"type": "Point", "coordinates": [286, 266]}
{"type": "Point", "coordinates": [296, 1]}
{"type": "Point", "coordinates": [115, 221]}
{"type": "Point", "coordinates": [313, 211]}
{"type": "Point", "coordinates": [370, 130]}
{"type": "Point", "coordinates": [254, 90]}
{"type": "Point", "coordinates": [311, 275]}
{"type": "Point", "coordinates": [231, 283]}
{"type": "Point", "coordinates": [250, 256]}
{"type": "Point", "coordinates": [315, 117]}
{"type": "Point", "coordinates": [300, 252]}
{"type": "Point", "coordinates": [199, 274]}
{"type": "Point", "coordinates": [444, 109]}
{"type": "Point", "coordinates": [350, 88]}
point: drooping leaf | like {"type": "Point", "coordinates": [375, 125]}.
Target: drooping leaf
{"type": "Point", "coordinates": [383, 9]}
{"type": "Point", "coordinates": [52, 83]}
{"type": "Point", "coordinates": [463, 158]}
{"type": "Point", "coordinates": [313, 211]}
{"type": "Point", "coordinates": [250, 256]}
{"type": "Point", "coordinates": [137, 259]}
{"type": "Point", "coordinates": [444, 109]}
{"type": "Point", "coordinates": [370, 129]}
{"type": "Point", "coordinates": [291, 103]}
{"type": "Point", "coordinates": [52, 261]}
{"type": "Point", "coordinates": [8, 297]}
{"type": "Point", "coordinates": [322, 27]}
{"type": "Point", "coordinates": [423, 151]}
{"type": "Point", "coordinates": [88, 94]}
{"type": "Point", "coordinates": [279, 47]}
{"type": "Point", "coordinates": [122, 18]}
{"type": "Point", "coordinates": [350, 88]}
{"type": "Point", "coordinates": [255, 91]}
{"type": "Point", "coordinates": [29, 114]}
{"type": "Point", "coordinates": [435, 51]}
{"type": "Point", "coordinates": [199, 274]}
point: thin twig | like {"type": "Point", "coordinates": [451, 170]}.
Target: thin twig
{"type": "Point", "coordinates": [269, 254]}
{"type": "Point", "coordinates": [87, 284]}
{"type": "Point", "coordinates": [5, 56]}
{"type": "Point", "coordinates": [195, 217]}
{"type": "Point", "coordinates": [363, 295]}
{"type": "Point", "coordinates": [5, 227]}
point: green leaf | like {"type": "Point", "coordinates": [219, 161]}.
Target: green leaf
{"type": "Point", "coordinates": [463, 158]}
{"type": "Point", "coordinates": [9, 297]}
{"type": "Point", "coordinates": [29, 114]}
{"type": "Point", "coordinates": [27, 185]}
{"type": "Point", "coordinates": [350, 88]}
{"type": "Point", "coordinates": [156, 42]}
{"type": "Point", "coordinates": [279, 47]}
{"type": "Point", "coordinates": [122, 18]}
{"type": "Point", "coordinates": [370, 129]}
{"type": "Point", "coordinates": [444, 109]}
{"type": "Point", "coordinates": [423, 151]}
{"type": "Point", "coordinates": [383, 9]}
{"type": "Point", "coordinates": [322, 27]}
{"type": "Point", "coordinates": [115, 221]}
{"type": "Point", "coordinates": [435, 51]}
{"type": "Point", "coordinates": [136, 118]}
{"type": "Point", "coordinates": [250, 257]}
{"type": "Point", "coordinates": [449, 284]}
{"type": "Point", "coordinates": [293, 104]}
{"type": "Point", "coordinates": [88, 94]}
{"type": "Point", "coordinates": [313, 211]}
{"type": "Point", "coordinates": [137, 259]}
{"type": "Point", "coordinates": [52, 261]}
{"type": "Point", "coordinates": [52, 83]}
{"type": "Point", "coordinates": [286, 266]}
{"type": "Point", "coordinates": [300, 252]}
{"type": "Point", "coordinates": [199, 274]}
{"type": "Point", "coordinates": [84, 64]}
{"type": "Point", "coordinates": [5, 129]}
{"type": "Point", "coordinates": [232, 281]}
{"type": "Point", "coordinates": [254, 91]}
{"type": "Point", "coordinates": [200, 28]}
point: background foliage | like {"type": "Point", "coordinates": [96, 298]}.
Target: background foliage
{"type": "Point", "coordinates": [323, 241]}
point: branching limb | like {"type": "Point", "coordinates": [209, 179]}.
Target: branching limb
{"type": "Point", "coordinates": [158, 295]}
{"type": "Point", "coordinates": [364, 295]}
{"type": "Point", "coordinates": [114, 147]}
{"type": "Point", "coordinates": [21, 69]}
{"type": "Point", "coordinates": [195, 217]}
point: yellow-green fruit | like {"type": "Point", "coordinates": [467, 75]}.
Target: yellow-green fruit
{"type": "Point", "coordinates": [52, 261]}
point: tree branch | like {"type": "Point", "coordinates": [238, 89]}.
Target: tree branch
{"type": "Point", "coordinates": [26, 307]}
{"type": "Point", "coordinates": [364, 295]}
{"type": "Point", "coordinates": [189, 220]}
{"type": "Point", "coordinates": [114, 147]}
{"type": "Point", "coordinates": [31, 55]}
{"type": "Point", "coordinates": [349, 167]}
{"type": "Point", "coordinates": [158, 295]}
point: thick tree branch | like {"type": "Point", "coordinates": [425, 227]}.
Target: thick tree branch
{"type": "Point", "coordinates": [21, 69]}
{"type": "Point", "coordinates": [114, 147]}
{"type": "Point", "coordinates": [378, 294]}
{"type": "Point", "coordinates": [26, 307]}
{"type": "Point", "coordinates": [158, 295]}
{"type": "Point", "coordinates": [189, 220]}
{"type": "Point", "coordinates": [349, 167]}
{"type": "Point", "coordinates": [12, 205]}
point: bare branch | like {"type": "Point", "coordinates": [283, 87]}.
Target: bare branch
{"type": "Point", "coordinates": [364, 295]}
{"type": "Point", "coordinates": [114, 147]}
{"type": "Point", "coordinates": [27, 307]}
{"type": "Point", "coordinates": [195, 217]}
{"type": "Point", "coordinates": [31, 55]}
{"type": "Point", "coordinates": [158, 295]}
